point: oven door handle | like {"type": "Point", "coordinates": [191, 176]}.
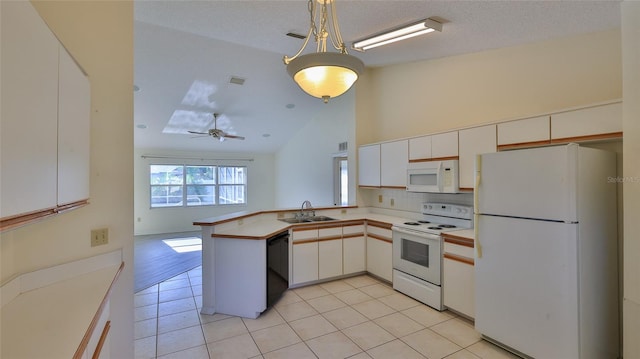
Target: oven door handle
{"type": "Point", "coordinates": [416, 233]}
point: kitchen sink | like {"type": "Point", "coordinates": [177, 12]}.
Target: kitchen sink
{"type": "Point", "coordinates": [295, 220]}
{"type": "Point", "coordinates": [307, 219]}
{"type": "Point", "coordinates": [320, 218]}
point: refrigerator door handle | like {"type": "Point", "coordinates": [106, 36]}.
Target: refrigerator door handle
{"type": "Point", "coordinates": [476, 207]}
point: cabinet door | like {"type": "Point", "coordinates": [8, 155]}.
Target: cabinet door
{"type": "Point", "coordinates": [329, 258]}
{"type": "Point", "coordinates": [528, 132]}
{"type": "Point", "coordinates": [459, 286]}
{"type": "Point", "coordinates": [394, 157]}
{"type": "Point", "coordinates": [354, 256]}
{"type": "Point", "coordinates": [73, 131]}
{"type": "Point", "coordinates": [28, 125]}
{"type": "Point", "coordinates": [444, 145]}
{"type": "Point", "coordinates": [379, 258]}
{"type": "Point", "coordinates": [589, 123]}
{"type": "Point", "coordinates": [305, 262]}
{"type": "Point", "coordinates": [369, 165]}
{"type": "Point", "coordinates": [474, 141]}
{"type": "Point", "coordinates": [420, 148]}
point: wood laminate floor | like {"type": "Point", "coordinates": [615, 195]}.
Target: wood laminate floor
{"type": "Point", "coordinates": [163, 256]}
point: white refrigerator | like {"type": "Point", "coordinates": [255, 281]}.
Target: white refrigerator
{"type": "Point", "coordinates": [546, 252]}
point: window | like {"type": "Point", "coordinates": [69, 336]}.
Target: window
{"type": "Point", "coordinates": [185, 185]}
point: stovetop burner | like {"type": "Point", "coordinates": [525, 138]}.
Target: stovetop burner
{"type": "Point", "coordinates": [447, 226]}
{"type": "Point", "coordinates": [424, 222]}
{"type": "Point", "coordinates": [435, 227]}
{"type": "Point", "coordinates": [412, 223]}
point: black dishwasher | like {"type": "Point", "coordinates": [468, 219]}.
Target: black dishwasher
{"type": "Point", "coordinates": [277, 266]}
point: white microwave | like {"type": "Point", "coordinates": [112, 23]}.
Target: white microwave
{"type": "Point", "coordinates": [433, 177]}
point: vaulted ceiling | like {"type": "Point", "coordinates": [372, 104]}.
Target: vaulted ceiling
{"type": "Point", "coordinates": [187, 52]}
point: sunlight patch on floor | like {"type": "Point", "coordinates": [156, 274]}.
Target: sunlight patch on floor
{"type": "Point", "coordinates": [184, 245]}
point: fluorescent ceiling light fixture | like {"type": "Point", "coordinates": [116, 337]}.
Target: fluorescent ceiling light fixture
{"type": "Point", "coordinates": [324, 74]}
{"type": "Point", "coordinates": [408, 31]}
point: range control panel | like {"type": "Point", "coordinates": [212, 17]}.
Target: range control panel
{"type": "Point", "coordinates": [447, 210]}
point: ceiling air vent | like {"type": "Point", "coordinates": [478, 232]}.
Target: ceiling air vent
{"type": "Point", "coordinates": [342, 146]}
{"type": "Point", "coordinates": [236, 80]}
{"type": "Point", "coordinates": [297, 36]}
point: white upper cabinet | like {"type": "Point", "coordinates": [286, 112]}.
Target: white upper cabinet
{"type": "Point", "coordinates": [394, 157]}
{"type": "Point", "coordinates": [474, 141]}
{"type": "Point", "coordinates": [420, 148]}
{"type": "Point", "coordinates": [369, 165]}
{"type": "Point", "coordinates": [45, 120]}
{"type": "Point", "coordinates": [28, 124]}
{"type": "Point", "coordinates": [589, 123]}
{"type": "Point", "coordinates": [527, 132]}
{"type": "Point", "coordinates": [73, 131]}
{"type": "Point", "coordinates": [444, 145]}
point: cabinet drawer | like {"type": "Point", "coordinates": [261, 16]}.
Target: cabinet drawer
{"type": "Point", "coordinates": [299, 234]}
{"type": "Point", "coordinates": [458, 250]}
{"type": "Point", "coordinates": [381, 232]}
{"type": "Point", "coordinates": [354, 229]}
{"type": "Point", "coordinates": [333, 232]}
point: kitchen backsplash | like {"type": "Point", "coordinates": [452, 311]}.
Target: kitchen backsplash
{"type": "Point", "coordinates": [402, 200]}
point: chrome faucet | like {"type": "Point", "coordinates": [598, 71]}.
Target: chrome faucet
{"type": "Point", "coordinates": [309, 207]}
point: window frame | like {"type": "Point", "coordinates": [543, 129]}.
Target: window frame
{"type": "Point", "coordinates": [185, 185]}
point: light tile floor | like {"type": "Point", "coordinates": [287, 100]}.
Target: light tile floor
{"type": "Point", "coordinates": [358, 317]}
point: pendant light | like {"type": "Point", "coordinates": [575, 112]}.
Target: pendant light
{"type": "Point", "coordinates": [324, 74]}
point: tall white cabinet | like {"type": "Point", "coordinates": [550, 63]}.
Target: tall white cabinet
{"type": "Point", "coordinates": [44, 123]}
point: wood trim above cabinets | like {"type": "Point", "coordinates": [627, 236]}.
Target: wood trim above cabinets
{"type": "Point", "coordinates": [393, 187]}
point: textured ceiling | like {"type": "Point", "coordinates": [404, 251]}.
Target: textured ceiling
{"type": "Point", "coordinates": [182, 44]}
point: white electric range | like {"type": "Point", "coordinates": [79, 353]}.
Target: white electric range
{"type": "Point", "coordinates": [417, 250]}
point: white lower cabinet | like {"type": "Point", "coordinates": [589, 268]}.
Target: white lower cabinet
{"type": "Point", "coordinates": [304, 255]}
{"type": "Point", "coordinates": [354, 248]}
{"type": "Point", "coordinates": [379, 258]}
{"type": "Point", "coordinates": [458, 280]}
{"type": "Point", "coordinates": [305, 262]}
{"type": "Point", "coordinates": [329, 258]}
{"type": "Point", "coordinates": [329, 252]}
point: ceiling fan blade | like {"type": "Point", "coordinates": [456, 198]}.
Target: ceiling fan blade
{"type": "Point", "coordinates": [236, 137]}
{"type": "Point", "coordinates": [198, 133]}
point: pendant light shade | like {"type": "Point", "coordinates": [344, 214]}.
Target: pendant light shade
{"type": "Point", "coordinates": [325, 74]}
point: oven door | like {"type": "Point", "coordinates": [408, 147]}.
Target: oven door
{"type": "Point", "coordinates": [418, 254]}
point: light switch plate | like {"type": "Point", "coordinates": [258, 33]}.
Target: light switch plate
{"type": "Point", "coordinates": [99, 236]}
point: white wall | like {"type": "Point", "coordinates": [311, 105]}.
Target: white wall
{"type": "Point", "coordinates": [100, 36]}
{"type": "Point", "coordinates": [304, 165]}
{"type": "Point", "coordinates": [260, 184]}
{"type": "Point", "coordinates": [461, 91]}
{"type": "Point", "coordinates": [631, 148]}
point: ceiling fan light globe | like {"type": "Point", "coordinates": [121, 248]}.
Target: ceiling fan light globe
{"type": "Point", "coordinates": [325, 74]}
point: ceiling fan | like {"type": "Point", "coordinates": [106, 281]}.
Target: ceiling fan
{"type": "Point", "coordinates": [215, 132]}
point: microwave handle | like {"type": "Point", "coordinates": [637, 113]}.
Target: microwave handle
{"type": "Point", "coordinates": [440, 177]}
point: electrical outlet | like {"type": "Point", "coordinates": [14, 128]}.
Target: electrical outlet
{"type": "Point", "coordinates": [240, 221]}
{"type": "Point", "coordinates": [392, 202]}
{"type": "Point", "coordinates": [343, 211]}
{"type": "Point", "coordinates": [379, 198]}
{"type": "Point", "coordinates": [280, 215]}
{"type": "Point", "coordinates": [99, 236]}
